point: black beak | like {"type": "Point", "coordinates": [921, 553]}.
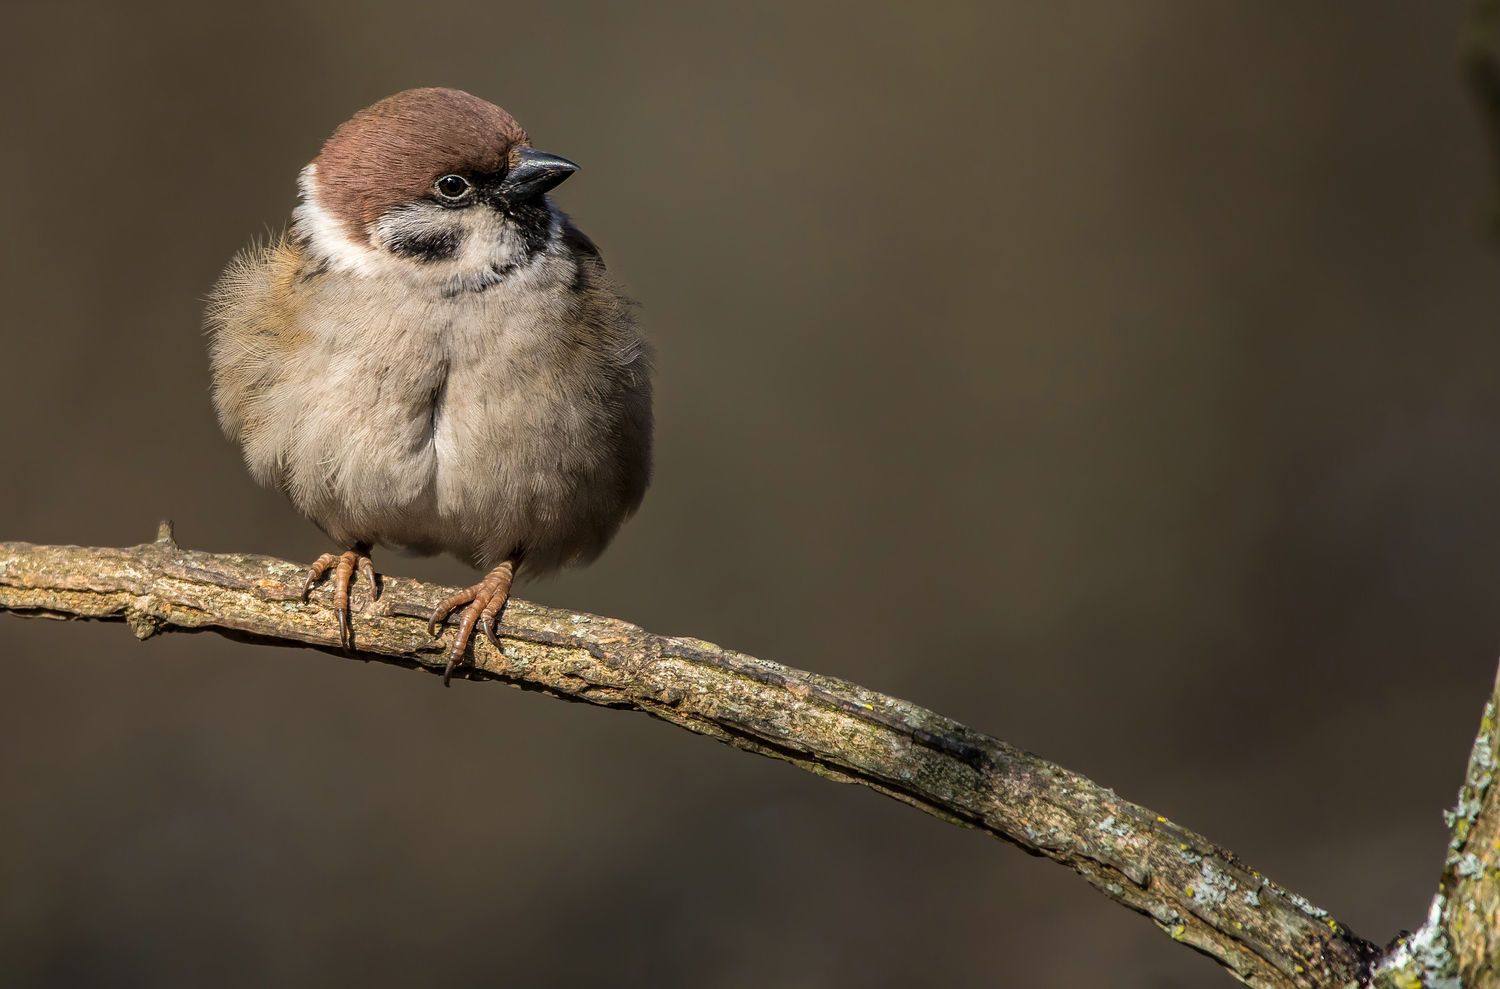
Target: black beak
{"type": "Point", "coordinates": [533, 174]}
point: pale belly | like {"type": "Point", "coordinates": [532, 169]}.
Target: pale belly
{"type": "Point", "coordinates": [420, 445]}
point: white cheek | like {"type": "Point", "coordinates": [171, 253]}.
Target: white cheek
{"type": "Point", "coordinates": [326, 236]}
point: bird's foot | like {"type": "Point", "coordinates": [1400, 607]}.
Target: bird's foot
{"type": "Point", "coordinates": [343, 565]}
{"type": "Point", "coordinates": [484, 602]}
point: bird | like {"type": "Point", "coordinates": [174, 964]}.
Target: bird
{"type": "Point", "coordinates": [433, 358]}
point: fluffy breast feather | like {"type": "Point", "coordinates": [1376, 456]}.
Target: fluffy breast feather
{"type": "Point", "coordinates": [252, 331]}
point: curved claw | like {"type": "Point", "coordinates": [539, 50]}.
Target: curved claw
{"type": "Point", "coordinates": [367, 571]}
{"type": "Point", "coordinates": [491, 612]}
{"type": "Point", "coordinates": [487, 625]}
{"type": "Point", "coordinates": [315, 572]}
{"type": "Point", "coordinates": [483, 604]}
{"type": "Point", "coordinates": [346, 627]}
{"type": "Point", "coordinates": [343, 566]}
{"type": "Point", "coordinates": [461, 640]}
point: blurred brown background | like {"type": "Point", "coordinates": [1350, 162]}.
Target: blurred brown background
{"type": "Point", "coordinates": [1120, 379]}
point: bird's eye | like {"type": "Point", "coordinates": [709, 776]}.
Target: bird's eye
{"type": "Point", "coordinates": [452, 186]}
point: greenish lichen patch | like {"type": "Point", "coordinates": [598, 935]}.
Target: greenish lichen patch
{"type": "Point", "coordinates": [1469, 867]}
{"type": "Point", "coordinates": [1214, 886]}
{"type": "Point", "coordinates": [1481, 774]}
{"type": "Point", "coordinates": [1423, 960]}
{"type": "Point", "coordinates": [1484, 756]}
{"type": "Point", "coordinates": [1110, 826]}
{"type": "Point", "coordinates": [1045, 839]}
{"type": "Point", "coordinates": [1301, 904]}
{"type": "Point", "coordinates": [1164, 915]}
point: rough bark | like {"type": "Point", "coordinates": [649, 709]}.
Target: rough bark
{"type": "Point", "coordinates": [1459, 946]}
{"type": "Point", "coordinates": [1196, 891]}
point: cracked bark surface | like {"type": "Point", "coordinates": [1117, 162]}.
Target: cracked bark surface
{"type": "Point", "coordinates": [1197, 892]}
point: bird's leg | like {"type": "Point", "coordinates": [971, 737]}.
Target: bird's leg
{"type": "Point", "coordinates": [484, 601]}
{"type": "Point", "coordinates": [343, 567]}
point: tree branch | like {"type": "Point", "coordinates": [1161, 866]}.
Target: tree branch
{"type": "Point", "coordinates": [1197, 892]}
{"type": "Point", "coordinates": [1459, 946]}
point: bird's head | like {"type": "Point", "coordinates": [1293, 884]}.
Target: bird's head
{"type": "Point", "coordinates": [434, 184]}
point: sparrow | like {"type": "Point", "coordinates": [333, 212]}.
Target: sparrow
{"type": "Point", "coordinates": [434, 358]}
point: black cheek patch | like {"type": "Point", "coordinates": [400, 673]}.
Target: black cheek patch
{"type": "Point", "coordinates": [426, 246]}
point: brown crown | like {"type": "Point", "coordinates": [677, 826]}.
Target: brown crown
{"type": "Point", "coordinates": [391, 152]}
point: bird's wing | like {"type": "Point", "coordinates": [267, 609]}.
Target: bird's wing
{"type": "Point", "coordinates": [253, 330]}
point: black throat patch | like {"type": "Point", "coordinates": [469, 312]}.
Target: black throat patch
{"type": "Point", "coordinates": [427, 246]}
{"type": "Point", "coordinates": [533, 221]}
